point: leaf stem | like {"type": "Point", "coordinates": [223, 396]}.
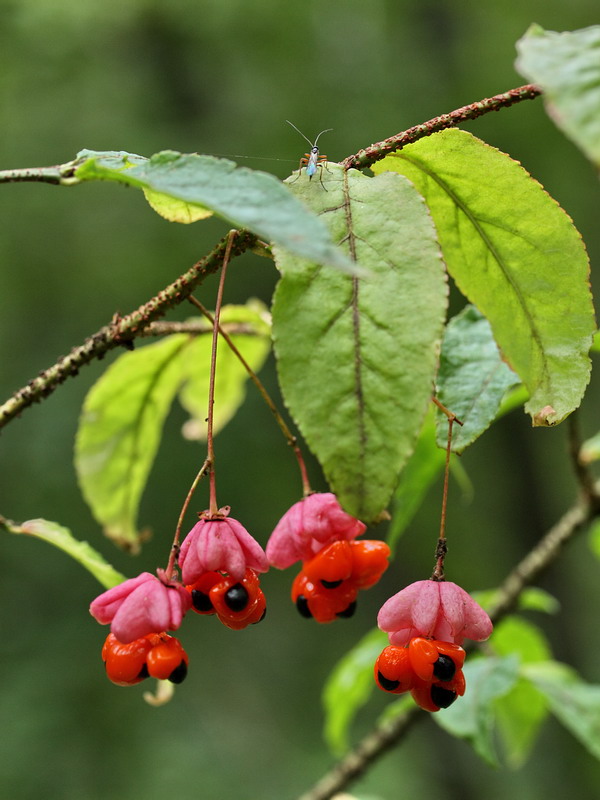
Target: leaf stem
{"type": "Point", "coordinates": [291, 439]}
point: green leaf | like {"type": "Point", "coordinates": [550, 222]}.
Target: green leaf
{"type": "Point", "coordinates": [573, 701]}
{"type": "Point", "coordinates": [61, 537]}
{"type": "Point", "coordinates": [423, 467]}
{"type": "Point", "coordinates": [567, 67]}
{"type": "Point", "coordinates": [348, 688]}
{"type": "Point", "coordinates": [175, 210]}
{"type": "Point", "coordinates": [357, 355]}
{"type": "Point", "coordinates": [254, 345]}
{"type": "Point", "coordinates": [472, 717]}
{"type": "Point", "coordinates": [120, 430]}
{"type": "Point", "coordinates": [516, 255]}
{"type": "Point", "coordinates": [522, 711]}
{"type": "Point", "coordinates": [472, 379]}
{"type": "Point", "coordinates": [244, 197]}
{"type": "Point", "coordinates": [124, 413]}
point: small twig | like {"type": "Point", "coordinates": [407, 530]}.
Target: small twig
{"type": "Point", "coordinates": [122, 331]}
{"type": "Point", "coordinates": [375, 152]}
{"type": "Point", "coordinates": [387, 734]}
{"type": "Point", "coordinates": [197, 327]}
{"type": "Point", "coordinates": [450, 414]}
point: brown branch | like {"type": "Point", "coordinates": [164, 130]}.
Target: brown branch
{"type": "Point", "coordinates": [387, 734]}
{"type": "Point", "coordinates": [375, 152]}
{"type": "Point", "coordinates": [121, 331]}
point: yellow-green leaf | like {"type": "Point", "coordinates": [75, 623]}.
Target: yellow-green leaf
{"type": "Point", "coordinates": [516, 255]}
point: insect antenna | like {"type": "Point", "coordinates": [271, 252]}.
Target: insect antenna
{"type": "Point", "coordinates": [312, 144]}
{"type": "Point", "coordinates": [322, 132]}
{"type": "Point", "coordinates": [300, 132]}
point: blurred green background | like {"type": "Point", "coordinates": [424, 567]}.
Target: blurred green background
{"type": "Point", "coordinates": [221, 76]}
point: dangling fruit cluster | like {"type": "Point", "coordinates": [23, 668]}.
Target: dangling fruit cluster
{"type": "Point", "coordinates": [237, 603]}
{"type": "Point", "coordinates": [328, 584]}
{"type": "Point", "coordinates": [155, 655]}
{"type": "Point", "coordinates": [430, 669]}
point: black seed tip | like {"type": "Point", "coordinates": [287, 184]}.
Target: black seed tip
{"type": "Point", "coordinates": [302, 606]}
{"type": "Point", "coordinates": [442, 697]}
{"type": "Point", "coordinates": [331, 584]}
{"type": "Point", "coordinates": [143, 673]}
{"type": "Point", "coordinates": [348, 612]}
{"type": "Point", "coordinates": [386, 683]}
{"type": "Point", "coordinates": [444, 668]}
{"type": "Point", "coordinates": [237, 597]}
{"type": "Point", "coordinates": [179, 673]}
{"type": "Point", "coordinates": [263, 615]}
{"type": "Point", "coordinates": [201, 601]}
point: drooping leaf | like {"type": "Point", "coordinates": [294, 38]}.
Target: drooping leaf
{"type": "Point", "coordinates": [120, 430]}
{"type": "Point", "coordinates": [246, 198]}
{"type": "Point", "coordinates": [348, 688]}
{"type": "Point", "coordinates": [472, 717]}
{"type": "Point", "coordinates": [253, 343]}
{"type": "Point", "coordinates": [175, 210]}
{"type": "Point", "coordinates": [423, 467]}
{"type": "Point", "coordinates": [357, 355]}
{"type": "Point", "coordinates": [522, 711]}
{"type": "Point", "coordinates": [61, 537]}
{"type": "Point", "coordinates": [516, 255]}
{"type": "Point", "coordinates": [124, 413]}
{"type": "Point", "coordinates": [573, 701]}
{"type": "Point", "coordinates": [472, 379]}
{"type": "Point", "coordinates": [567, 67]}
